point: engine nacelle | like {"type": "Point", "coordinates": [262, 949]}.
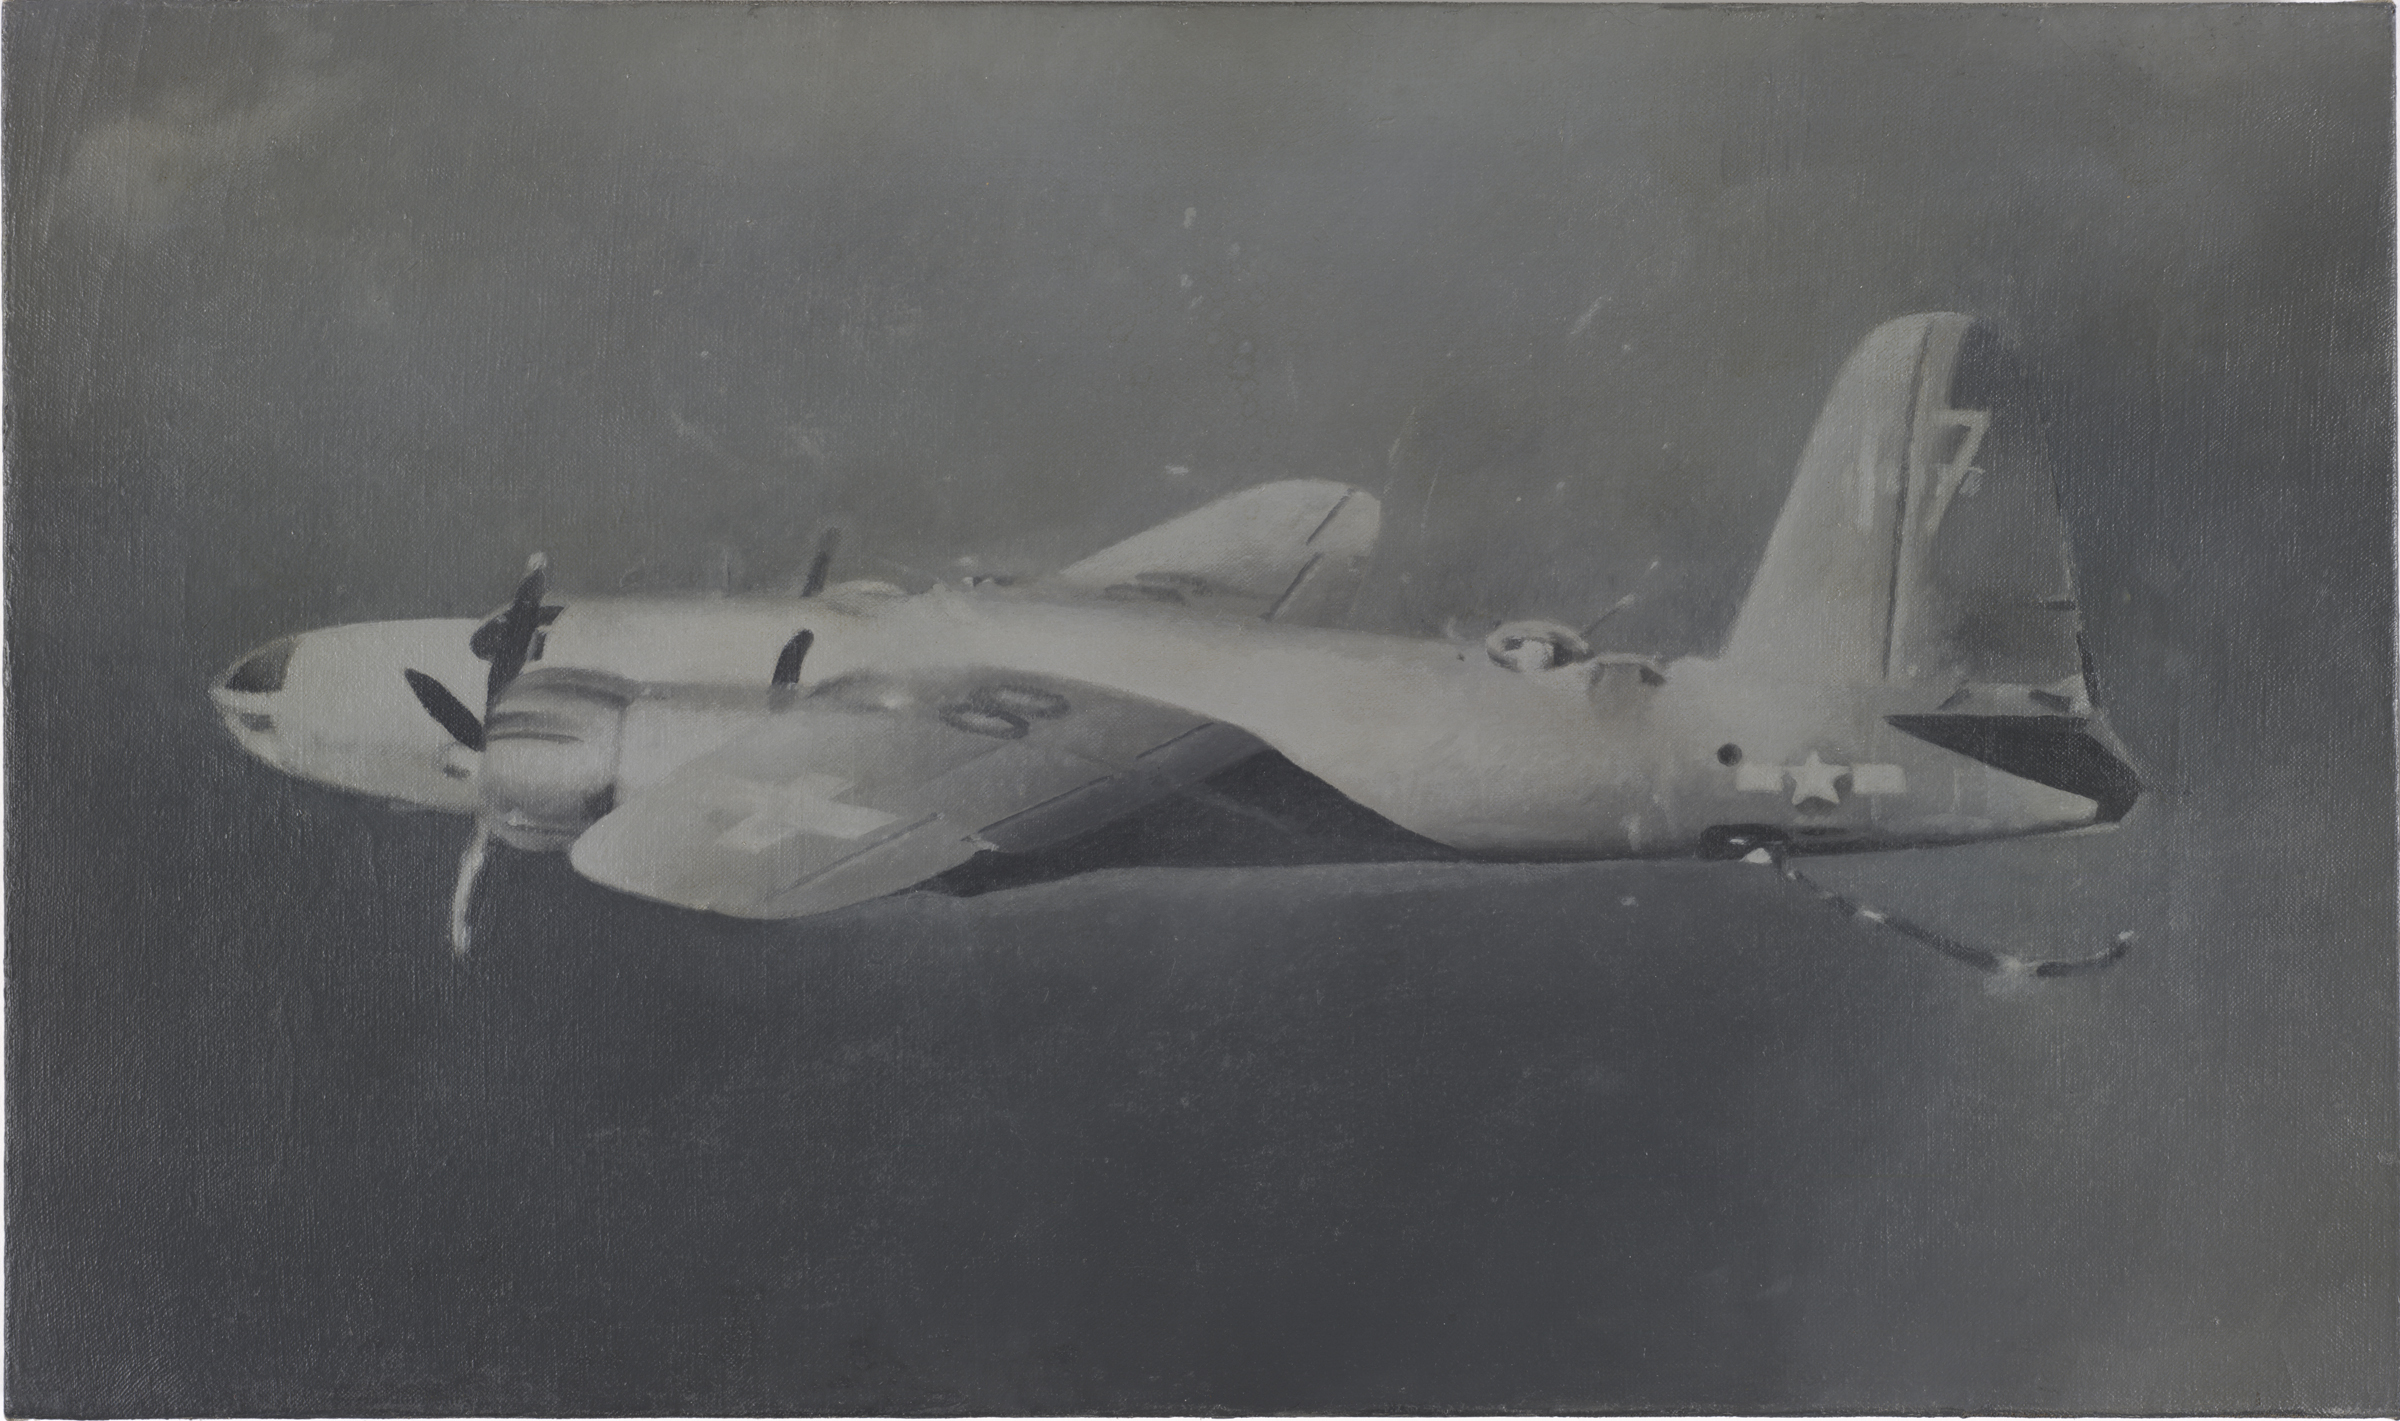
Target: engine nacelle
{"type": "Point", "coordinates": [550, 753]}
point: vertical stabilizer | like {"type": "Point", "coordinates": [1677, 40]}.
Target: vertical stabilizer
{"type": "Point", "coordinates": [1922, 542]}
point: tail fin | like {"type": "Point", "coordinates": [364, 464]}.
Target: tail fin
{"type": "Point", "coordinates": [1293, 551]}
{"type": "Point", "coordinates": [1922, 542]}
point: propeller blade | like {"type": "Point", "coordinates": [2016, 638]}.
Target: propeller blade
{"type": "Point", "coordinates": [517, 628]}
{"type": "Point", "coordinates": [463, 724]}
{"type": "Point", "coordinates": [787, 665]}
{"type": "Point", "coordinates": [462, 894]}
{"type": "Point", "coordinates": [822, 567]}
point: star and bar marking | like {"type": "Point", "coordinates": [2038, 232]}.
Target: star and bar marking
{"type": "Point", "coordinates": [808, 804]}
{"type": "Point", "coordinates": [1815, 781]}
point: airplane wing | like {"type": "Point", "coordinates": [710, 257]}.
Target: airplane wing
{"type": "Point", "coordinates": [876, 782]}
{"type": "Point", "coordinates": [873, 783]}
{"type": "Point", "coordinates": [1294, 551]}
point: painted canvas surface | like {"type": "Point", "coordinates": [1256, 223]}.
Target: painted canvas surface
{"type": "Point", "coordinates": [1647, 475]}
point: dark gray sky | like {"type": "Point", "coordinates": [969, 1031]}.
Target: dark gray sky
{"type": "Point", "coordinates": [325, 313]}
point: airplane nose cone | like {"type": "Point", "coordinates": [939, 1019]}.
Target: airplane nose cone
{"type": "Point", "coordinates": [245, 696]}
{"type": "Point", "coordinates": [261, 672]}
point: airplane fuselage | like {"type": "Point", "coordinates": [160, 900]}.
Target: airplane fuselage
{"type": "Point", "coordinates": [1908, 668]}
{"type": "Point", "coordinates": [1601, 758]}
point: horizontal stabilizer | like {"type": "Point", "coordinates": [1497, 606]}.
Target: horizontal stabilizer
{"type": "Point", "coordinates": [2064, 752]}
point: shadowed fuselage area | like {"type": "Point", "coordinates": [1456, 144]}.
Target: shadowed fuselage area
{"type": "Point", "coordinates": [1263, 812]}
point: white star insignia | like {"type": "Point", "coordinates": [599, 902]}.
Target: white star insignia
{"type": "Point", "coordinates": [1812, 778]}
{"type": "Point", "coordinates": [808, 804]}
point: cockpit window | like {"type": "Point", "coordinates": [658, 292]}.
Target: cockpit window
{"type": "Point", "coordinates": [263, 672]}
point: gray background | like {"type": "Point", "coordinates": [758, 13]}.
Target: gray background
{"type": "Point", "coordinates": [320, 314]}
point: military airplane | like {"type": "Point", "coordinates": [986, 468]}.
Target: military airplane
{"type": "Point", "coordinates": [1908, 669]}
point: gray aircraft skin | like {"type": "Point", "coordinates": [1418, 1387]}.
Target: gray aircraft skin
{"type": "Point", "coordinates": [1908, 669]}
